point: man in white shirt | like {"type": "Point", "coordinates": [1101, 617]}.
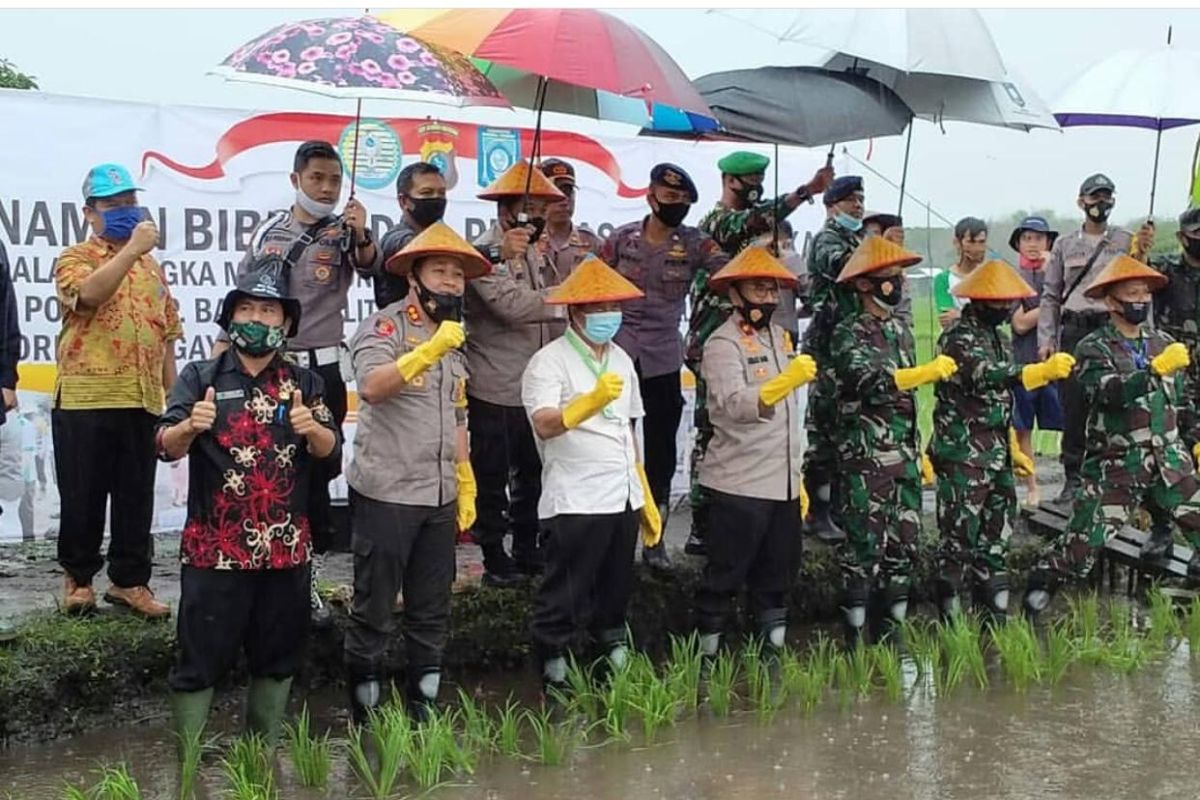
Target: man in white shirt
{"type": "Point", "coordinates": [582, 397]}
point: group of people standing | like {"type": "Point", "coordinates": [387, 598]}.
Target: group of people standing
{"type": "Point", "coordinates": [527, 385]}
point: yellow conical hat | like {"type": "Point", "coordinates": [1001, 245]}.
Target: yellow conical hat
{"type": "Point", "coordinates": [1124, 268]}
{"type": "Point", "coordinates": [512, 184]}
{"type": "Point", "coordinates": [753, 262]}
{"type": "Point", "coordinates": [995, 280]}
{"type": "Point", "coordinates": [439, 239]}
{"type": "Point", "coordinates": [876, 253]}
{"type": "Point", "coordinates": [593, 281]}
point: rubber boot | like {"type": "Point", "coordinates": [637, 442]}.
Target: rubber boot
{"type": "Point", "coordinates": [422, 693]}
{"type": "Point", "coordinates": [992, 595]}
{"type": "Point", "coordinates": [554, 677]}
{"type": "Point", "coordinates": [1039, 591]}
{"type": "Point", "coordinates": [772, 627]}
{"type": "Point", "coordinates": [1159, 545]}
{"type": "Point", "coordinates": [656, 557]}
{"type": "Point", "coordinates": [892, 603]}
{"type": "Point", "coordinates": [499, 571]}
{"type": "Point", "coordinates": [696, 545]}
{"type": "Point", "coordinates": [946, 594]}
{"type": "Point", "coordinates": [611, 654]}
{"type": "Point", "coordinates": [820, 520]}
{"type": "Point", "coordinates": [1066, 498]}
{"type": "Point", "coordinates": [266, 703]}
{"type": "Point", "coordinates": [321, 616]}
{"type": "Point", "coordinates": [366, 694]}
{"type": "Point", "coordinates": [189, 715]}
{"type": "Point", "coordinates": [854, 610]}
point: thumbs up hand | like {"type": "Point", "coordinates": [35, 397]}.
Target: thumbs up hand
{"type": "Point", "coordinates": [301, 416]}
{"type": "Point", "coordinates": [204, 412]}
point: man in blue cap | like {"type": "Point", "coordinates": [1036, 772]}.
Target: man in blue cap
{"type": "Point", "coordinates": [115, 361]}
{"type": "Point", "coordinates": [662, 257]}
{"type": "Point", "coordinates": [831, 303]}
{"type": "Point", "coordinates": [1032, 240]}
{"type": "Point", "coordinates": [738, 219]}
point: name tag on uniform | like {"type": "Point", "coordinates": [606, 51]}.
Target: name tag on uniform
{"type": "Point", "coordinates": [756, 360]}
{"type": "Point", "coordinates": [231, 394]}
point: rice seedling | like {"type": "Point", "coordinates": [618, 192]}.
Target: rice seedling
{"type": "Point", "coordinates": [860, 671]}
{"type": "Point", "coordinates": [752, 662]}
{"type": "Point", "coordinates": [1192, 627]}
{"type": "Point", "coordinates": [963, 653]}
{"type": "Point", "coordinates": [191, 749]}
{"type": "Point", "coordinates": [656, 704]}
{"type": "Point", "coordinates": [311, 756]}
{"type": "Point", "coordinates": [508, 729]}
{"type": "Point", "coordinates": [582, 697]}
{"type": "Point", "coordinates": [248, 769]}
{"type": "Point", "coordinates": [683, 671]}
{"type": "Point", "coordinates": [1020, 655]}
{"type": "Point", "coordinates": [116, 784]}
{"type": "Point", "coordinates": [70, 793]}
{"type": "Point", "coordinates": [479, 732]}
{"type": "Point", "coordinates": [616, 698]}
{"type": "Point", "coordinates": [840, 676]}
{"type": "Point", "coordinates": [820, 659]}
{"type": "Point", "coordinates": [1123, 650]}
{"type": "Point", "coordinates": [923, 644]}
{"type": "Point", "coordinates": [387, 733]}
{"type": "Point", "coordinates": [1084, 621]}
{"type": "Point", "coordinates": [805, 680]}
{"type": "Point", "coordinates": [1165, 625]}
{"type": "Point", "coordinates": [721, 680]}
{"type": "Point", "coordinates": [887, 666]}
{"type": "Point", "coordinates": [554, 741]}
{"type": "Point", "coordinates": [1060, 652]}
{"type": "Point", "coordinates": [432, 751]}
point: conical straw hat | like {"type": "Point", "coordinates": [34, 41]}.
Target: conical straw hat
{"type": "Point", "coordinates": [753, 262]}
{"type": "Point", "coordinates": [1124, 268]}
{"type": "Point", "coordinates": [876, 253]}
{"type": "Point", "coordinates": [593, 281]}
{"type": "Point", "coordinates": [512, 184]}
{"type": "Point", "coordinates": [995, 280]}
{"type": "Point", "coordinates": [439, 239]}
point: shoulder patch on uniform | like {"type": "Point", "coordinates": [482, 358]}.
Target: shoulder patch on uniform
{"type": "Point", "coordinates": [384, 327]}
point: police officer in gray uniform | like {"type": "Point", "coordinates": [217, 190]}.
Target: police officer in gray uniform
{"type": "Point", "coordinates": [325, 252]}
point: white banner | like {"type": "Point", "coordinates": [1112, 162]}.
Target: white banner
{"type": "Point", "coordinates": [210, 175]}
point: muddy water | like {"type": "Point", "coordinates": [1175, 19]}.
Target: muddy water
{"type": "Point", "coordinates": [1096, 736]}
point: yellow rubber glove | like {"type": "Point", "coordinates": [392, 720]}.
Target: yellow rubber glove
{"type": "Point", "coordinates": [1055, 368]}
{"type": "Point", "coordinates": [608, 388]}
{"type": "Point", "coordinates": [1196, 455]}
{"type": "Point", "coordinates": [1022, 464]}
{"type": "Point", "coordinates": [802, 370]}
{"type": "Point", "coordinates": [448, 336]}
{"type": "Point", "coordinates": [651, 523]}
{"type": "Point", "coordinates": [803, 502]}
{"type": "Point", "coordinates": [927, 477]}
{"type": "Point", "coordinates": [939, 369]}
{"type": "Point", "coordinates": [1171, 360]}
{"type": "Point", "coordinates": [467, 492]}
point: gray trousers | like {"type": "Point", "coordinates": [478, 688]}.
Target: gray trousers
{"type": "Point", "coordinates": [400, 548]}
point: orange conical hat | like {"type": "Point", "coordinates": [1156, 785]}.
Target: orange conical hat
{"type": "Point", "coordinates": [753, 262]}
{"type": "Point", "coordinates": [1124, 268]}
{"type": "Point", "coordinates": [593, 281]}
{"type": "Point", "coordinates": [512, 184]}
{"type": "Point", "coordinates": [995, 280]}
{"type": "Point", "coordinates": [439, 239]}
{"type": "Point", "coordinates": [876, 253]}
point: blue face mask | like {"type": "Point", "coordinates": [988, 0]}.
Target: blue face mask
{"type": "Point", "coordinates": [601, 326]}
{"type": "Point", "coordinates": [120, 222]}
{"type": "Point", "coordinates": [852, 224]}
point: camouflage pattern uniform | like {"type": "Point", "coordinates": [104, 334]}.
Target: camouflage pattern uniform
{"type": "Point", "coordinates": [1177, 313]}
{"type": "Point", "coordinates": [733, 230]}
{"type": "Point", "coordinates": [1134, 455]}
{"type": "Point", "coordinates": [877, 448]}
{"type": "Point", "coordinates": [976, 492]}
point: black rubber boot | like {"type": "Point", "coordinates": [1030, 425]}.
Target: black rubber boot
{"type": "Point", "coordinates": [947, 595]}
{"type": "Point", "coordinates": [854, 610]}
{"type": "Point", "coordinates": [499, 570]}
{"type": "Point", "coordinates": [612, 653]}
{"type": "Point", "coordinates": [820, 520]}
{"type": "Point", "coordinates": [1160, 544]}
{"type": "Point", "coordinates": [656, 558]}
{"type": "Point", "coordinates": [421, 694]}
{"type": "Point", "coordinates": [365, 689]}
{"type": "Point", "coordinates": [891, 602]}
{"type": "Point", "coordinates": [1039, 592]}
{"type": "Point", "coordinates": [992, 596]}
{"type": "Point", "coordinates": [695, 542]}
{"type": "Point", "coordinates": [1066, 498]}
{"type": "Point", "coordinates": [554, 677]}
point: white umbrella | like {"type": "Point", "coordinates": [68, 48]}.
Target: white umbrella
{"type": "Point", "coordinates": [1139, 88]}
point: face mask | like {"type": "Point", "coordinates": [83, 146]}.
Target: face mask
{"type": "Point", "coordinates": [852, 224]}
{"type": "Point", "coordinates": [601, 326]}
{"type": "Point", "coordinates": [439, 307]}
{"type": "Point", "coordinates": [672, 214]}
{"type": "Point", "coordinates": [1135, 313]}
{"type": "Point", "coordinates": [1098, 211]}
{"type": "Point", "coordinates": [990, 315]}
{"type": "Point", "coordinates": [312, 207]}
{"type": "Point", "coordinates": [427, 210]}
{"type": "Point", "coordinates": [1192, 247]}
{"type": "Point", "coordinates": [255, 338]}
{"type": "Point", "coordinates": [888, 292]}
{"type": "Point", "coordinates": [757, 315]}
{"type": "Point", "coordinates": [120, 222]}
{"type": "Point", "coordinates": [1029, 263]}
{"type": "Point", "coordinates": [748, 193]}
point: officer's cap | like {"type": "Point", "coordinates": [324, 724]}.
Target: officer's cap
{"type": "Point", "coordinates": [841, 188]}
{"type": "Point", "coordinates": [1189, 221]}
{"type": "Point", "coordinates": [1097, 183]}
{"type": "Point", "coordinates": [743, 162]}
{"type": "Point", "coordinates": [674, 177]}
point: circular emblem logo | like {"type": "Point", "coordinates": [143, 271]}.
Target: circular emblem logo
{"type": "Point", "coordinates": [499, 159]}
{"type": "Point", "coordinates": [322, 273]}
{"type": "Point", "coordinates": [379, 153]}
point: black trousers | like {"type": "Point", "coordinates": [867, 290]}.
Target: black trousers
{"type": "Point", "coordinates": [223, 612]}
{"type": "Point", "coordinates": [105, 455]}
{"type": "Point", "coordinates": [508, 472]}
{"type": "Point", "coordinates": [1074, 400]}
{"type": "Point", "coordinates": [320, 514]}
{"type": "Point", "coordinates": [400, 547]}
{"type": "Point", "coordinates": [663, 400]}
{"type": "Point", "coordinates": [753, 543]}
{"type": "Point", "coordinates": [589, 575]}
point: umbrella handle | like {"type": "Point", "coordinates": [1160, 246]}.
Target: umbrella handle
{"type": "Point", "coordinates": [828, 163]}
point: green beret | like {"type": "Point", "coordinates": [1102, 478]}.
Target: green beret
{"type": "Point", "coordinates": [743, 163]}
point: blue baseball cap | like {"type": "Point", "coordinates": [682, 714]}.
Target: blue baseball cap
{"type": "Point", "coordinates": [106, 180]}
{"type": "Point", "coordinates": [1032, 223]}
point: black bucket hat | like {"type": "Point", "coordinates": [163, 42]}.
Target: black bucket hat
{"type": "Point", "coordinates": [266, 279]}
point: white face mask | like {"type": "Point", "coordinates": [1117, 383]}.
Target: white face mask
{"type": "Point", "coordinates": [310, 206]}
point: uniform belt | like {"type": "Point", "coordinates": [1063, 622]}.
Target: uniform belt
{"type": "Point", "coordinates": [318, 357]}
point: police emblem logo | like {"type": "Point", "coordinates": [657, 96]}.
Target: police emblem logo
{"type": "Point", "coordinates": [384, 327]}
{"type": "Point", "coordinates": [418, 382]}
{"type": "Point", "coordinates": [672, 178]}
{"type": "Point", "coordinates": [322, 273]}
{"type": "Point", "coordinates": [760, 372]}
{"type": "Point", "coordinates": [376, 154]}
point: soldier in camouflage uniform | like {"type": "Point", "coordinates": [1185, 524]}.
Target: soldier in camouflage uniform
{"type": "Point", "coordinates": [974, 450]}
{"type": "Point", "coordinates": [739, 217]}
{"type": "Point", "coordinates": [873, 355]}
{"type": "Point", "coordinates": [1132, 378]}
{"type": "Point", "coordinates": [831, 302]}
{"type": "Point", "coordinates": [1177, 312]}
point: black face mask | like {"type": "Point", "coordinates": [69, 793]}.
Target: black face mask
{"type": "Point", "coordinates": [439, 307]}
{"type": "Point", "coordinates": [888, 292]}
{"type": "Point", "coordinates": [757, 315]}
{"type": "Point", "coordinates": [993, 316]}
{"type": "Point", "coordinates": [1135, 313]}
{"type": "Point", "coordinates": [1098, 211]}
{"type": "Point", "coordinates": [427, 210]}
{"type": "Point", "coordinates": [748, 193]}
{"type": "Point", "coordinates": [672, 214]}
{"type": "Point", "coordinates": [1192, 247]}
